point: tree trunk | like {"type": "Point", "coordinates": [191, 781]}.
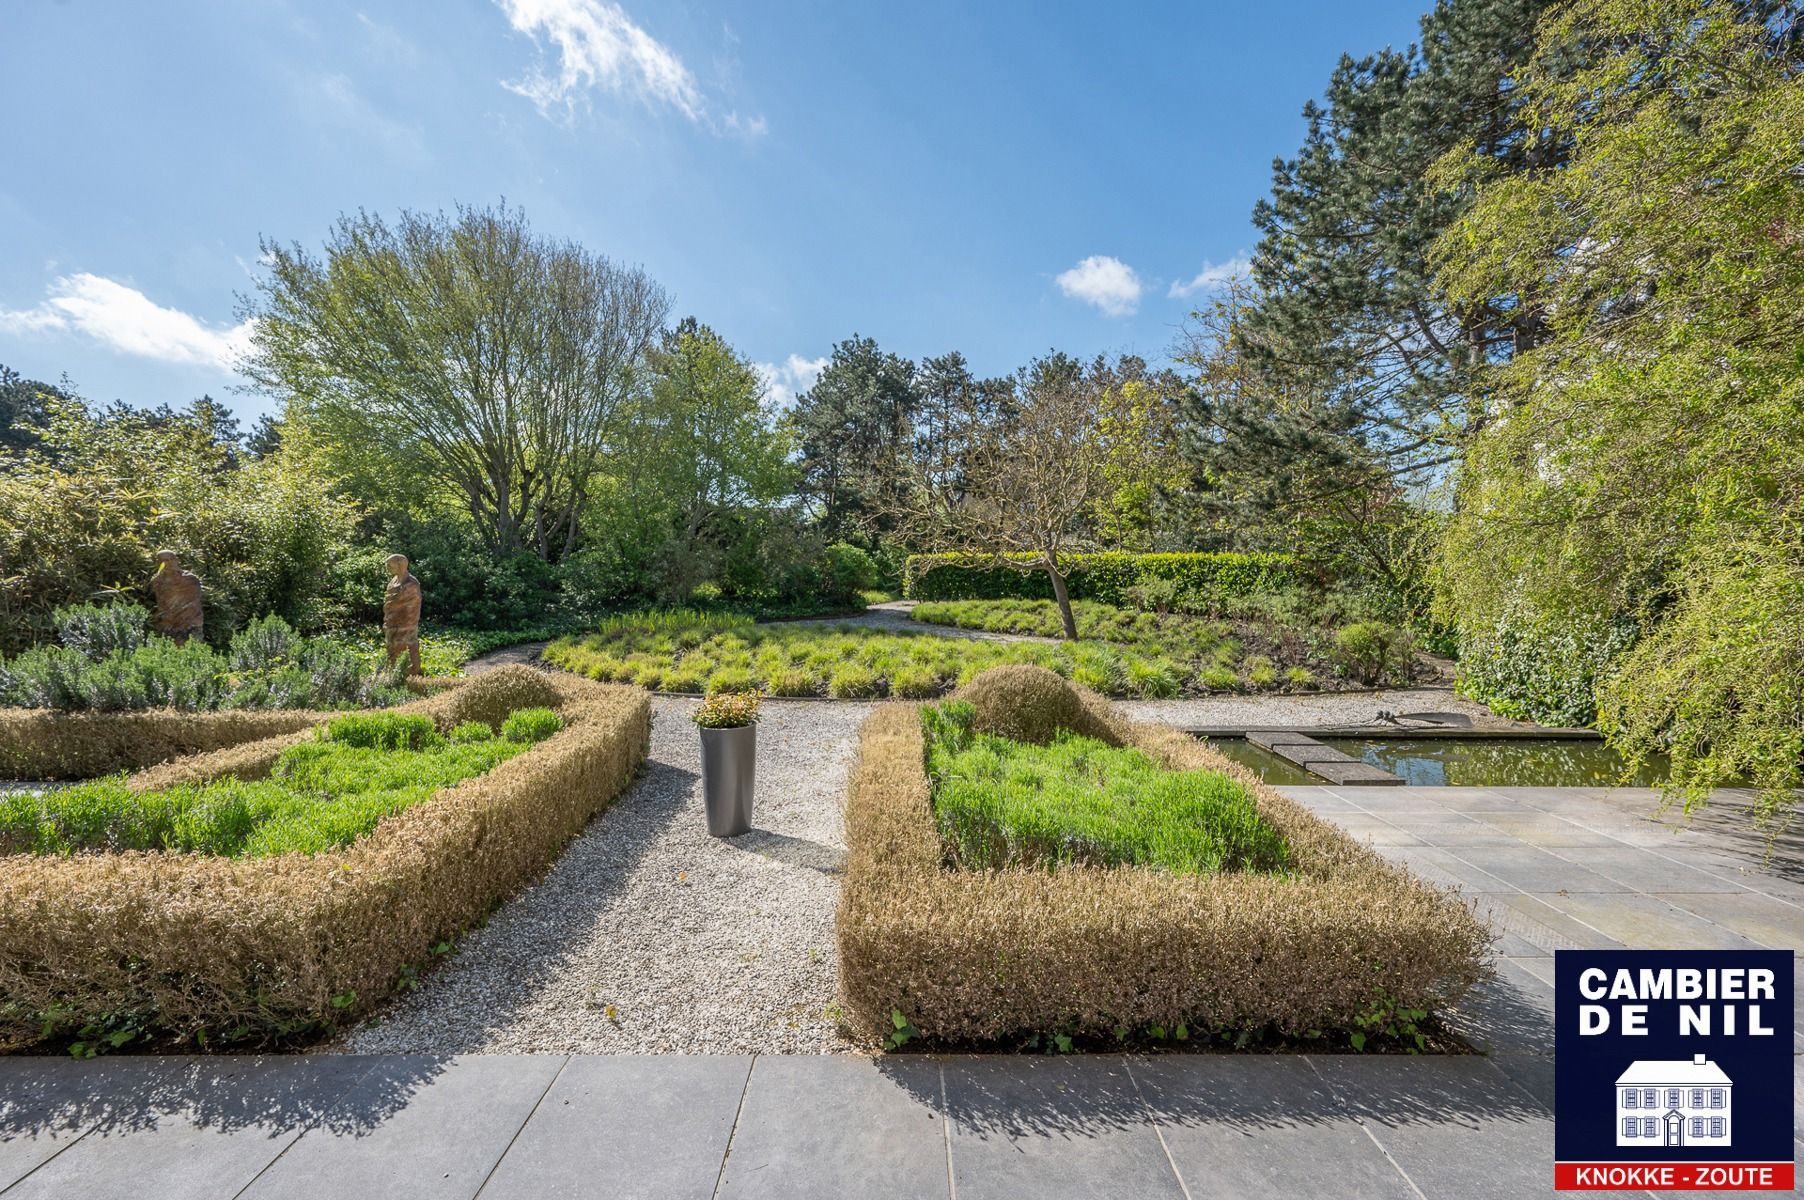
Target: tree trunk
{"type": "Point", "coordinates": [1061, 595]}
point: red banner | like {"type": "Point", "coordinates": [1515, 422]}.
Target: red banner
{"type": "Point", "coordinates": [1677, 1176]}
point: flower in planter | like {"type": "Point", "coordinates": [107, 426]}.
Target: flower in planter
{"type": "Point", "coordinates": [728, 710]}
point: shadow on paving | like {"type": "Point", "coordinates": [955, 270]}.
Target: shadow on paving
{"type": "Point", "coordinates": [350, 1095]}
{"type": "Point", "coordinates": [1090, 1096]}
{"type": "Point", "coordinates": [1729, 817]}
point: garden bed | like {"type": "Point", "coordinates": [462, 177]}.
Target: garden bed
{"type": "Point", "coordinates": [1148, 657]}
{"type": "Point", "coordinates": [1337, 946]}
{"type": "Point", "coordinates": [208, 948]}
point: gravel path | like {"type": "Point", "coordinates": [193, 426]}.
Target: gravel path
{"type": "Point", "coordinates": [649, 935]}
{"type": "Point", "coordinates": [1320, 708]}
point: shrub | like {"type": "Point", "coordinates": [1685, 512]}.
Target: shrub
{"type": "Point", "coordinates": [501, 691]}
{"type": "Point", "coordinates": [470, 731]}
{"type": "Point", "coordinates": [295, 942]}
{"type": "Point", "coordinates": [915, 683]}
{"type": "Point", "coordinates": [1540, 669]}
{"type": "Point", "coordinates": [979, 955]}
{"type": "Point", "coordinates": [1150, 679]}
{"type": "Point", "coordinates": [853, 682]}
{"type": "Point", "coordinates": [730, 679]}
{"type": "Point", "coordinates": [100, 630]}
{"type": "Point", "coordinates": [1259, 671]}
{"type": "Point", "coordinates": [846, 570]}
{"type": "Point", "coordinates": [530, 725]}
{"type": "Point", "coordinates": [1372, 651]}
{"type": "Point", "coordinates": [791, 681]}
{"type": "Point", "coordinates": [1217, 679]}
{"type": "Point", "coordinates": [1106, 576]}
{"type": "Point", "coordinates": [1299, 677]}
{"type": "Point", "coordinates": [1023, 703]}
{"type": "Point", "coordinates": [728, 710]}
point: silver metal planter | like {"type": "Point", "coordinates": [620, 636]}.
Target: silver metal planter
{"type": "Point", "coordinates": [728, 758]}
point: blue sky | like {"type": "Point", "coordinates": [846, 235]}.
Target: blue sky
{"type": "Point", "coordinates": [999, 178]}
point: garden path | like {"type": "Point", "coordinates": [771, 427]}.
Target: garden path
{"type": "Point", "coordinates": [649, 935]}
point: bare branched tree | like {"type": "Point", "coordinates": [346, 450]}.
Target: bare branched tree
{"type": "Point", "coordinates": [1016, 492]}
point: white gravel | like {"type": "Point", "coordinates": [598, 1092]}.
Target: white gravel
{"type": "Point", "coordinates": [649, 935]}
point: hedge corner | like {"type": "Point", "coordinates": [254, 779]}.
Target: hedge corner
{"type": "Point", "coordinates": [971, 956]}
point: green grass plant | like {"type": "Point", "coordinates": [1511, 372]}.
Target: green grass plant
{"type": "Point", "coordinates": [320, 795]}
{"type": "Point", "coordinates": [1000, 803]}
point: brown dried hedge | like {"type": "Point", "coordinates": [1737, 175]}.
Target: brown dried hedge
{"type": "Point", "coordinates": [39, 744]}
{"type": "Point", "coordinates": [268, 946]}
{"type": "Point", "coordinates": [973, 956]}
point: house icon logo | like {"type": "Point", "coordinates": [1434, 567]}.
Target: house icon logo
{"type": "Point", "coordinates": [1663, 1102]}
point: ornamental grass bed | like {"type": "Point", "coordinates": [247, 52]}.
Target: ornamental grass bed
{"type": "Point", "coordinates": [1333, 946]}
{"type": "Point", "coordinates": [200, 949]}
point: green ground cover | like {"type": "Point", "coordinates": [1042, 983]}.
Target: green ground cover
{"type": "Point", "coordinates": [321, 794]}
{"type": "Point", "coordinates": [686, 651]}
{"type": "Point", "coordinates": [1001, 803]}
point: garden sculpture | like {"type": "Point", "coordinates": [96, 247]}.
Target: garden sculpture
{"type": "Point", "coordinates": [401, 614]}
{"type": "Point", "coordinates": [178, 598]}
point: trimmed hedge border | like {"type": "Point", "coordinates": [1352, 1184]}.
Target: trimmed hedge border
{"type": "Point", "coordinates": [975, 956]}
{"type": "Point", "coordinates": [1105, 576]}
{"type": "Point", "coordinates": [262, 947]}
{"type": "Point", "coordinates": [37, 743]}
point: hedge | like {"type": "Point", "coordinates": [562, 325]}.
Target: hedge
{"type": "Point", "coordinates": [190, 944]}
{"type": "Point", "coordinates": [1103, 576]}
{"type": "Point", "coordinates": [36, 743]}
{"type": "Point", "coordinates": [974, 956]}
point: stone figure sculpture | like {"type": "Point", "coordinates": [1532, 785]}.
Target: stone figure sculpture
{"type": "Point", "coordinates": [401, 614]}
{"type": "Point", "coordinates": [178, 598]}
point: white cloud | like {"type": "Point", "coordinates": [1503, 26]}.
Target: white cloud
{"type": "Point", "coordinates": [1106, 282]}
{"type": "Point", "coordinates": [126, 320]}
{"type": "Point", "coordinates": [598, 45]}
{"type": "Point", "coordinates": [783, 383]}
{"type": "Point", "coordinates": [1212, 276]}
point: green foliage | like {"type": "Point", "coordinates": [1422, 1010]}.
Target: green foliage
{"type": "Point", "coordinates": [1539, 668]}
{"type": "Point", "coordinates": [847, 570]}
{"type": "Point", "coordinates": [1000, 803]}
{"type": "Point", "coordinates": [102, 489]}
{"type": "Point", "coordinates": [1107, 577]}
{"type": "Point", "coordinates": [266, 666]}
{"type": "Point", "coordinates": [1641, 459]}
{"type": "Point", "coordinates": [1373, 652]}
{"type": "Point", "coordinates": [321, 795]}
{"type": "Point", "coordinates": [528, 726]}
{"type": "Point", "coordinates": [728, 710]}
{"type": "Point", "coordinates": [382, 731]}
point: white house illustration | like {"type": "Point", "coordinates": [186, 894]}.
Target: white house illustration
{"type": "Point", "coordinates": [1662, 1102]}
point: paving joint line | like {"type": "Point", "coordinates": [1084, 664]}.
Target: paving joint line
{"type": "Point", "coordinates": [530, 1113]}
{"type": "Point", "coordinates": [1158, 1130]}
{"type": "Point", "coordinates": [946, 1130]}
{"type": "Point", "coordinates": [727, 1151]}
{"type": "Point", "coordinates": [1328, 1086]}
{"type": "Point", "coordinates": [303, 1132]}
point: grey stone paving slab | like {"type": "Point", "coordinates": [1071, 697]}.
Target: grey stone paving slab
{"type": "Point", "coordinates": [831, 1127]}
{"type": "Point", "coordinates": [1547, 829]}
{"type": "Point", "coordinates": [1430, 1114]}
{"type": "Point", "coordinates": [1544, 925]}
{"type": "Point", "coordinates": [1535, 870]}
{"type": "Point", "coordinates": [1260, 1127]}
{"type": "Point", "coordinates": [444, 1125]}
{"type": "Point", "coordinates": [1476, 800]}
{"type": "Point", "coordinates": [1646, 922]}
{"type": "Point", "coordinates": [190, 1129]}
{"type": "Point", "coordinates": [47, 1103]}
{"type": "Point", "coordinates": [626, 1126]}
{"type": "Point", "coordinates": [1767, 921]}
{"type": "Point", "coordinates": [1052, 1128]}
{"type": "Point", "coordinates": [1512, 1012]}
{"type": "Point", "coordinates": [1647, 870]}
